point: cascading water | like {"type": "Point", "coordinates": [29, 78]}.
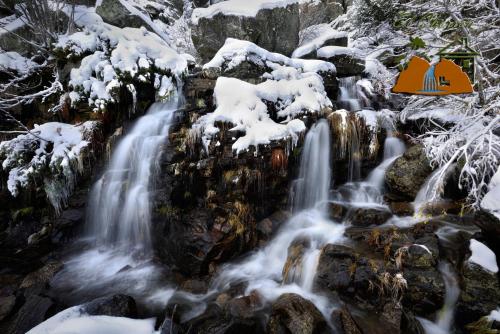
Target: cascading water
{"type": "Point", "coordinates": [119, 211]}
{"type": "Point", "coordinates": [444, 320]}
{"type": "Point", "coordinates": [309, 227]}
{"type": "Point", "coordinates": [119, 216]}
{"type": "Point", "coordinates": [313, 183]}
{"type": "Point", "coordinates": [348, 94]}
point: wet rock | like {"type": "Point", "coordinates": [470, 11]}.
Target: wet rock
{"type": "Point", "coordinates": [490, 226]}
{"type": "Point", "coordinates": [317, 12]}
{"type": "Point", "coordinates": [268, 226]}
{"type": "Point", "coordinates": [114, 306]}
{"type": "Point", "coordinates": [337, 211]}
{"type": "Point", "coordinates": [343, 322]}
{"type": "Point", "coordinates": [6, 306]}
{"type": "Point", "coordinates": [115, 13]}
{"type": "Point", "coordinates": [347, 65]}
{"type": "Point", "coordinates": [425, 292]}
{"type": "Point", "coordinates": [217, 319]}
{"type": "Point", "coordinates": [292, 270]}
{"type": "Point", "coordinates": [480, 293]}
{"type": "Point", "coordinates": [293, 314]}
{"type": "Point", "coordinates": [42, 276]}
{"type": "Point", "coordinates": [364, 217]}
{"type": "Point", "coordinates": [407, 174]}
{"type": "Point", "coordinates": [34, 311]}
{"type": "Point", "coordinates": [274, 29]}
{"type": "Point", "coordinates": [416, 256]}
{"type": "Point", "coordinates": [401, 208]}
{"type": "Point", "coordinates": [336, 267]}
{"type": "Point", "coordinates": [194, 286]}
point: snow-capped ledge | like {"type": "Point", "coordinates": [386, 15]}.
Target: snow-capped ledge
{"type": "Point", "coordinates": [483, 256]}
{"type": "Point", "coordinates": [236, 51]}
{"type": "Point", "coordinates": [238, 8]}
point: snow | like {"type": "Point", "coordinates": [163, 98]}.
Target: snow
{"type": "Point", "coordinates": [491, 201]}
{"type": "Point", "coordinates": [53, 145]}
{"type": "Point", "coordinates": [332, 51]}
{"type": "Point", "coordinates": [323, 33]}
{"type": "Point", "coordinates": [235, 51]}
{"type": "Point", "coordinates": [483, 256]}
{"type": "Point", "coordinates": [10, 23]}
{"type": "Point", "coordinates": [494, 315]}
{"type": "Point", "coordinates": [241, 104]}
{"type": "Point", "coordinates": [117, 57]}
{"type": "Point", "coordinates": [13, 61]}
{"type": "Point", "coordinates": [238, 8]}
{"type": "Point", "coordinates": [74, 320]}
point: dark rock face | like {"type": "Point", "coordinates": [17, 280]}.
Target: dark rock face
{"type": "Point", "coordinates": [114, 306]}
{"type": "Point", "coordinates": [335, 268]}
{"type": "Point", "coordinates": [364, 217]}
{"type": "Point", "coordinates": [293, 314]}
{"type": "Point", "coordinates": [425, 292]}
{"type": "Point", "coordinates": [480, 293]}
{"type": "Point", "coordinates": [408, 173]}
{"type": "Point", "coordinates": [343, 322]}
{"type": "Point", "coordinates": [274, 29]}
{"type": "Point", "coordinates": [347, 65]}
{"type": "Point", "coordinates": [317, 12]}
{"type": "Point", "coordinates": [113, 12]}
{"type": "Point", "coordinates": [34, 311]}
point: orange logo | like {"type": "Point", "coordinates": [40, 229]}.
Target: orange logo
{"type": "Point", "coordinates": [443, 78]}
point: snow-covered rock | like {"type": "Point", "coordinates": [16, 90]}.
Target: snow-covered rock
{"type": "Point", "coordinates": [118, 57]}
{"type": "Point", "coordinates": [313, 12]}
{"type": "Point", "coordinates": [272, 24]}
{"type": "Point", "coordinates": [76, 320]}
{"type": "Point", "coordinates": [316, 37]}
{"type": "Point", "coordinates": [349, 61]}
{"type": "Point", "coordinates": [483, 256]}
{"type": "Point", "coordinates": [52, 154]}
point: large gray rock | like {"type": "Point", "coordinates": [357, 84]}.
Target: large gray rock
{"type": "Point", "coordinates": [408, 173]}
{"type": "Point", "coordinates": [317, 12]}
{"type": "Point", "coordinates": [295, 315]}
{"type": "Point", "coordinates": [274, 29]}
{"type": "Point", "coordinates": [113, 12]}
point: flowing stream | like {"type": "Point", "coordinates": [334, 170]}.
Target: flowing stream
{"type": "Point", "coordinates": [118, 220]}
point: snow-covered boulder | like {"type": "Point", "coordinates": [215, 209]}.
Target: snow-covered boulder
{"type": "Point", "coordinates": [316, 37]}
{"type": "Point", "coordinates": [491, 201]}
{"type": "Point", "coordinates": [349, 61]}
{"type": "Point", "coordinates": [51, 155]}
{"type": "Point", "coordinates": [273, 25]}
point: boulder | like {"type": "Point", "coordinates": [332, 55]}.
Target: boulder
{"type": "Point", "coordinates": [115, 13]}
{"type": "Point", "coordinates": [479, 295]}
{"type": "Point", "coordinates": [317, 12]}
{"type": "Point", "coordinates": [275, 29]}
{"type": "Point", "coordinates": [402, 208]}
{"type": "Point", "coordinates": [335, 268]}
{"type": "Point", "coordinates": [295, 315]}
{"type": "Point", "coordinates": [6, 306]}
{"type": "Point", "coordinates": [407, 174]}
{"type": "Point", "coordinates": [113, 306]}
{"type": "Point", "coordinates": [348, 63]}
{"type": "Point", "coordinates": [425, 292]}
{"type": "Point", "coordinates": [364, 217]}
{"type": "Point", "coordinates": [343, 322]}
{"type": "Point", "coordinates": [42, 276]}
{"type": "Point", "coordinates": [34, 311]}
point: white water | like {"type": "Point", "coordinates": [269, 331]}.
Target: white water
{"type": "Point", "coordinates": [264, 269]}
{"type": "Point", "coordinates": [119, 216]}
{"type": "Point", "coordinates": [120, 208]}
{"type": "Point", "coordinates": [348, 94]}
{"type": "Point", "coordinates": [444, 320]}
{"type": "Point", "coordinates": [430, 191]}
{"type": "Point", "coordinates": [313, 183]}
{"type": "Point", "coordinates": [369, 192]}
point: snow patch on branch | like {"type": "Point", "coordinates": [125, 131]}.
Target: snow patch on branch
{"type": "Point", "coordinates": [51, 153]}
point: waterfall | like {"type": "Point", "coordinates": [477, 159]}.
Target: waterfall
{"type": "Point", "coordinates": [288, 263]}
{"type": "Point", "coordinates": [120, 208]}
{"type": "Point", "coordinates": [348, 94]}
{"type": "Point", "coordinates": [444, 319]}
{"type": "Point", "coordinates": [430, 84]}
{"type": "Point", "coordinates": [431, 190]}
{"type": "Point", "coordinates": [313, 183]}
